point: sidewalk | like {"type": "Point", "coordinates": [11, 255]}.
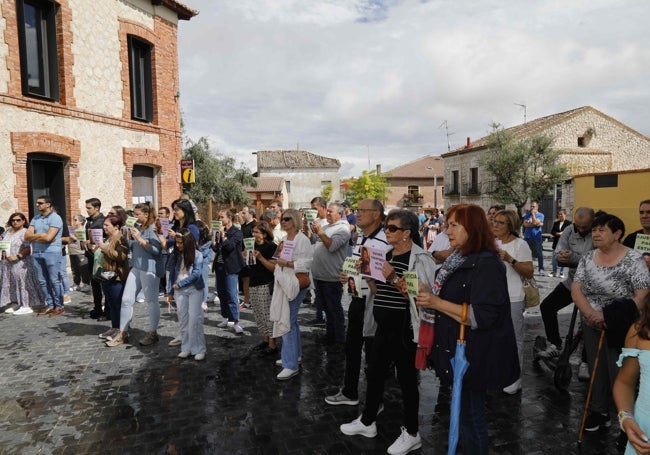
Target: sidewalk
{"type": "Point", "coordinates": [63, 391]}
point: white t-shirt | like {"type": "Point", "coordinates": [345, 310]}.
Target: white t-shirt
{"type": "Point", "coordinates": [520, 251]}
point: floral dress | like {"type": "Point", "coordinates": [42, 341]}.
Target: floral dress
{"type": "Point", "coordinates": [19, 282]}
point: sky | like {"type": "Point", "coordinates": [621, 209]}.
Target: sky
{"type": "Point", "coordinates": [387, 81]}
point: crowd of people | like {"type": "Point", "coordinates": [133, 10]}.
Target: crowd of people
{"type": "Point", "coordinates": [468, 267]}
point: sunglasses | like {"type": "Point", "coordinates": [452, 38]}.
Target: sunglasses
{"type": "Point", "coordinates": [16, 220]}
{"type": "Point", "coordinates": [392, 228]}
{"type": "Point", "coordinates": [287, 218]}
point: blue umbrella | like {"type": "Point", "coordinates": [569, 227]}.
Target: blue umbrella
{"type": "Point", "coordinates": [460, 365]}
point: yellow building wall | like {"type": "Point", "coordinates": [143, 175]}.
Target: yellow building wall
{"type": "Point", "coordinates": [622, 201]}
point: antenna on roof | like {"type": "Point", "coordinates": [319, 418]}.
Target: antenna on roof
{"type": "Point", "coordinates": [368, 149]}
{"type": "Point", "coordinates": [448, 134]}
{"type": "Point", "coordinates": [522, 105]}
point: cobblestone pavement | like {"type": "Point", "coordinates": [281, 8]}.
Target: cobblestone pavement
{"type": "Point", "coordinates": [63, 391]}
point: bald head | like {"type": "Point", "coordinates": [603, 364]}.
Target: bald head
{"type": "Point", "coordinates": [583, 219]}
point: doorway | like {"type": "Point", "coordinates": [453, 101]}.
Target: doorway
{"type": "Point", "coordinates": [45, 177]}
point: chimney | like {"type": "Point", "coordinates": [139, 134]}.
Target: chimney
{"type": "Point", "coordinates": [379, 169]}
{"type": "Point", "coordinates": [469, 143]}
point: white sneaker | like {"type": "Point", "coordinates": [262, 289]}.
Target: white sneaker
{"type": "Point", "coordinates": [286, 373]}
{"type": "Point", "coordinates": [238, 329]}
{"type": "Point", "coordinates": [231, 323]}
{"type": "Point", "coordinates": [279, 361]}
{"type": "Point", "coordinates": [10, 310]}
{"type": "Point", "coordinates": [175, 342]}
{"type": "Point", "coordinates": [561, 275]}
{"type": "Point", "coordinates": [23, 310]}
{"type": "Point", "coordinates": [199, 357]}
{"type": "Point", "coordinates": [223, 324]}
{"type": "Point", "coordinates": [513, 388]}
{"type": "Point", "coordinates": [184, 354]}
{"type": "Point", "coordinates": [405, 443]}
{"type": "Point", "coordinates": [140, 300]}
{"type": "Point", "coordinates": [216, 299]}
{"type": "Point", "coordinates": [204, 307]}
{"type": "Point", "coordinates": [357, 427]}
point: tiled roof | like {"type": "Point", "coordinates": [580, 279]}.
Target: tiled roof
{"type": "Point", "coordinates": [293, 159]}
{"type": "Point", "coordinates": [266, 185]}
{"type": "Point", "coordinates": [538, 126]}
{"type": "Point", "coordinates": [184, 12]}
{"type": "Point", "coordinates": [425, 167]}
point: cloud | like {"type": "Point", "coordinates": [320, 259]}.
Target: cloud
{"type": "Point", "coordinates": [339, 77]}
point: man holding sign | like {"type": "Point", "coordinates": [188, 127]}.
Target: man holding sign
{"type": "Point", "coordinates": [95, 221]}
{"type": "Point", "coordinates": [361, 327]}
{"type": "Point", "coordinates": [640, 240]}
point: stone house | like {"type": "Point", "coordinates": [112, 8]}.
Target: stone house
{"type": "Point", "coordinates": [589, 140]}
{"type": "Point", "coordinates": [89, 102]}
{"type": "Point", "coordinates": [418, 183]}
{"type": "Point", "coordinates": [305, 174]}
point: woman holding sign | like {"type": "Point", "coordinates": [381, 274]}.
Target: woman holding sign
{"type": "Point", "coordinates": [397, 330]}
{"type": "Point", "coordinates": [290, 286]}
{"type": "Point", "coordinates": [19, 280]}
{"type": "Point", "coordinates": [261, 285]}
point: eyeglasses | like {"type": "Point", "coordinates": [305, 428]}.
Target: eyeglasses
{"type": "Point", "coordinates": [392, 228]}
{"type": "Point", "coordinates": [287, 219]}
{"type": "Point", "coordinates": [16, 220]}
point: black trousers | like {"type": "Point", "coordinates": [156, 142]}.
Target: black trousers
{"type": "Point", "coordinates": [559, 298]}
{"type": "Point", "coordinates": [354, 344]}
{"type": "Point", "coordinates": [96, 287]}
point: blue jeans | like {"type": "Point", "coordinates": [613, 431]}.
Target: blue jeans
{"type": "Point", "coordinates": [65, 278]}
{"type": "Point", "coordinates": [147, 283]}
{"type": "Point", "coordinates": [226, 285]}
{"type": "Point", "coordinates": [330, 293]}
{"type": "Point", "coordinates": [113, 294]}
{"type": "Point", "coordinates": [291, 346]}
{"type": "Point", "coordinates": [535, 245]}
{"type": "Point", "coordinates": [48, 267]}
{"type": "Point", "coordinates": [473, 425]}
{"type": "Point", "coordinates": [190, 318]}
{"type": "Point", "coordinates": [555, 266]}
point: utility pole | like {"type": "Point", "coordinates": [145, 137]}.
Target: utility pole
{"type": "Point", "coordinates": [447, 133]}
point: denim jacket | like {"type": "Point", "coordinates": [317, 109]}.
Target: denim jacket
{"type": "Point", "coordinates": [194, 278]}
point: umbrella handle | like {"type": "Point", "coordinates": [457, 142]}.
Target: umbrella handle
{"type": "Point", "coordinates": [463, 320]}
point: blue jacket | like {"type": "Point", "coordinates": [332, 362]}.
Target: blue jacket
{"type": "Point", "coordinates": [148, 260]}
{"type": "Point", "coordinates": [194, 278]}
{"type": "Point", "coordinates": [231, 250]}
{"type": "Point", "coordinates": [490, 347]}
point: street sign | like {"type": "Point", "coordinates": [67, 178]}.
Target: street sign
{"type": "Point", "coordinates": [187, 171]}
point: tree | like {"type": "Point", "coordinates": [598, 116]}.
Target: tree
{"type": "Point", "coordinates": [522, 169]}
{"type": "Point", "coordinates": [326, 193]}
{"type": "Point", "coordinates": [368, 186]}
{"type": "Point", "coordinates": [217, 176]}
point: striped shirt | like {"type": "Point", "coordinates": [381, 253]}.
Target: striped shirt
{"type": "Point", "coordinates": [388, 299]}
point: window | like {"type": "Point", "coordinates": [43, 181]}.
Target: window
{"type": "Point", "coordinates": [455, 182]}
{"type": "Point", "coordinates": [39, 68]}
{"type": "Point", "coordinates": [287, 183]}
{"type": "Point", "coordinates": [606, 181]}
{"type": "Point", "coordinates": [140, 79]}
{"type": "Point", "coordinates": [473, 188]}
{"type": "Point", "coordinates": [581, 141]}
{"type": "Point", "coordinates": [413, 190]}
{"type": "Point", "coordinates": [325, 183]}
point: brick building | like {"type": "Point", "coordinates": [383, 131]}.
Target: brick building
{"type": "Point", "coordinates": [89, 102]}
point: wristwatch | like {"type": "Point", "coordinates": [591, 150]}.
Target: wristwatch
{"type": "Point", "coordinates": [514, 261]}
{"type": "Point", "coordinates": [395, 280]}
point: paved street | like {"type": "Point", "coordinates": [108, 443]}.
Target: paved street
{"type": "Point", "coordinates": [63, 391]}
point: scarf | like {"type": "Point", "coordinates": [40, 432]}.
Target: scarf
{"type": "Point", "coordinates": [427, 315]}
